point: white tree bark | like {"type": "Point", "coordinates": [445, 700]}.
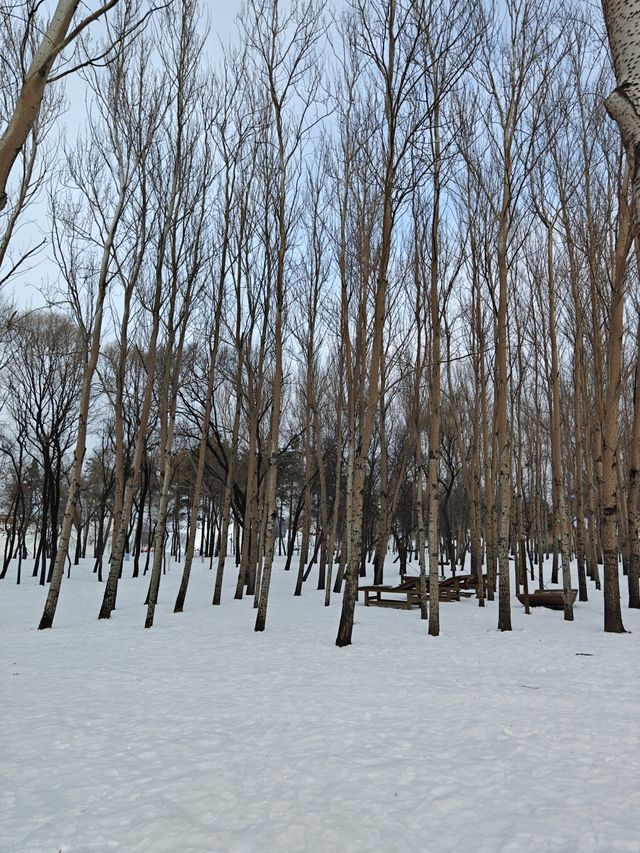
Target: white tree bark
{"type": "Point", "coordinates": [622, 18]}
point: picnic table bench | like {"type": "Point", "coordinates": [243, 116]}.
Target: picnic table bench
{"type": "Point", "coordinates": [463, 581]}
{"type": "Point", "coordinates": [408, 590]}
{"type": "Point", "coordinates": [406, 594]}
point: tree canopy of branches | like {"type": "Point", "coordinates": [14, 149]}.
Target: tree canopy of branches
{"type": "Point", "coordinates": [361, 295]}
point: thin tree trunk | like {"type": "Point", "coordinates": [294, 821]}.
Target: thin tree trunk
{"type": "Point", "coordinates": [81, 441]}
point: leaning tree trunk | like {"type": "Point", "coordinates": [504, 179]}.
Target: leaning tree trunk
{"type": "Point", "coordinates": [81, 440]}
{"type": "Point", "coordinates": [74, 488]}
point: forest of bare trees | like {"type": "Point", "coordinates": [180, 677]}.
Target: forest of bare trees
{"type": "Point", "coordinates": [362, 284]}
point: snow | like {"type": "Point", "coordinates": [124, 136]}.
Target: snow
{"type": "Point", "coordinates": [200, 736]}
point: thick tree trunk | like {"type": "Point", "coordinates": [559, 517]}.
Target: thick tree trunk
{"type": "Point", "coordinates": [610, 501]}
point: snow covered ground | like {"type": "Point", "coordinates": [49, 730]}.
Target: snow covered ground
{"type": "Point", "coordinates": [201, 736]}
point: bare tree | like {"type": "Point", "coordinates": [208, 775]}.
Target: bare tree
{"type": "Point", "coordinates": [86, 297]}
{"type": "Point", "coordinates": [283, 53]}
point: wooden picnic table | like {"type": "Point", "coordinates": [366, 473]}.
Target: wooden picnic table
{"type": "Point", "coordinates": [408, 589]}
{"type": "Point", "coordinates": [406, 594]}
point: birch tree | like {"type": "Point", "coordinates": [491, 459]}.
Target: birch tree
{"type": "Point", "coordinates": [622, 20]}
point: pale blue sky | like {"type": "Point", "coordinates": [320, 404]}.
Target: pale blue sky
{"type": "Point", "coordinates": [26, 288]}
